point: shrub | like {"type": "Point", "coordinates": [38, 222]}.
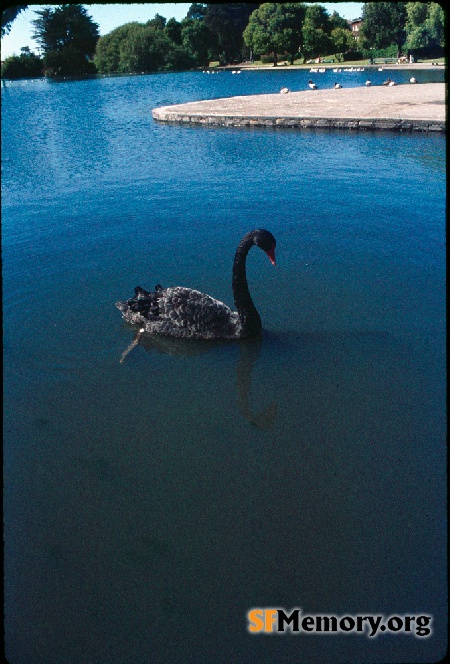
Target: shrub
{"type": "Point", "coordinates": [267, 59]}
{"type": "Point", "coordinates": [389, 52]}
{"type": "Point", "coordinates": [352, 55]}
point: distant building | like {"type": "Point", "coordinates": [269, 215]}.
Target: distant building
{"type": "Point", "coordinates": [355, 26]}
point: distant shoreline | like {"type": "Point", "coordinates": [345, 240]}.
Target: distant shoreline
{"type": "Point", "coordinates": [331, 65]}
{"type": "Point", "coordinates": [245, 67]}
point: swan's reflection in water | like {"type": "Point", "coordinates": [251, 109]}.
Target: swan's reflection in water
{"type": "Point", "coordinates": [249, 353]}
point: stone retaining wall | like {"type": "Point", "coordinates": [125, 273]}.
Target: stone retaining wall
{"type": "Point", "coordinates": [374, 124]}
{"type": "Point", "coordinates": [411, 107]}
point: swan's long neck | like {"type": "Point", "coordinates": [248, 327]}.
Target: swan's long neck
{"type": "Point", "coordinates": [249, 317]}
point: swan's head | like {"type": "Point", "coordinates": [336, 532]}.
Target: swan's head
{"type": "Point", "coordinates": [265, 241]}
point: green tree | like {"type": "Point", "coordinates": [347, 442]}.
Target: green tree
{"type": "Point", "coordinates": [293, 27]}
{"type": "Point", "coordinates": [424, 25]}
{"type": "Point", "coordinates": [158, 22]}
{"type": "Point", "coordinates": [276, 28]}
{"type": "Point", "coordinates": [435, 23]}
{"type": "Point", "coordinates": [107, 56]}
{"type": "Point", "coordinates": [145, 50]}
{"type": "Point", "coordinates": [136, 47]}
{"type": "Point", "coordinates": [9, 14]}
{"type": "Point", "coordinates": [342, 40]}
{"type": "Point", "coordinates": [197, 40]}
{"type": "Point", "coordinates": [336, 21]}
{"type": "Point", "coordinates": [316, 32]}
{"type": "Point", "coordinates": [384, 24]}
{"type": "Point", "coordinates": [26, 65]}
{"type": "Point", "coordinates": [416, 13]}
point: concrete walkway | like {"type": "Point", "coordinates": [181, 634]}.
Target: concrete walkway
{"type": "Point", "coordinates": [408, 107]}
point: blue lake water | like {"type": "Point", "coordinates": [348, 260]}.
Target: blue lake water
{"type": "Point", "coordinates": [150, 505]}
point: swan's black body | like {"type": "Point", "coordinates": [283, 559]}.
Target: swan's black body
{"type": "Point", "coordinates": [184, 312]}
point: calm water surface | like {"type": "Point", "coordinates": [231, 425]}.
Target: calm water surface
{"type": "Point", "coordinates": [149, 505]}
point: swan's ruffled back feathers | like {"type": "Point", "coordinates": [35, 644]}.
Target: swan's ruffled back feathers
{"type": "Point", "coordinates": [181, 312]}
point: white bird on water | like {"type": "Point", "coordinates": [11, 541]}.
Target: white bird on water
{"type": "Point", "coordinates": [284, 91]}
{"type": "Point", "coordinates": [337, 86]}
{"type": "Point", "coordinates": [413, 80]}
{"type": "Point", "coordinates": [312, 85]}
{"type": "Point", "coordinates": [368, 83]}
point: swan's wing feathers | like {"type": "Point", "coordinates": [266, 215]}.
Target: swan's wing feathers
{"type": "Point", "coordinates": [189, 308]}
{"type": "Point", "coordinates": [180, 311]}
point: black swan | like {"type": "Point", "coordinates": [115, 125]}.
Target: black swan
{"type": "Point", "coordinates": [187, 313]}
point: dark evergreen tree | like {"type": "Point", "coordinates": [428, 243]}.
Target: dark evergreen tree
{"type": "Point", "coordinates": [173, 31]}
{"type": "Point", "coordinates": [68, 37]}
{"type": "Point", "coordinates": [227, 21]}
{"type": "Point", "coordinates": [9, 14]}
{"type": "Point", "coordinates": [63, 26]}
{"type": "Point", "coordinates": [197, 11]}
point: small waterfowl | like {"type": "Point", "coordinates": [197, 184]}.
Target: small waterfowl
{"type": "Point", "coordinates": [413, 80]}
{"type": "Point", "coordinates": [337, 86]}
{"type": "Point", "coordinates": [284, 91]}
{"type": "Point", "coordinates": [368, 83]}
{"type": "Point", "coordinates": [312, 85]}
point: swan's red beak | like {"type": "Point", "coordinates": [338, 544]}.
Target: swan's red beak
{"type": "Point", "coordinates": [271, 255]}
